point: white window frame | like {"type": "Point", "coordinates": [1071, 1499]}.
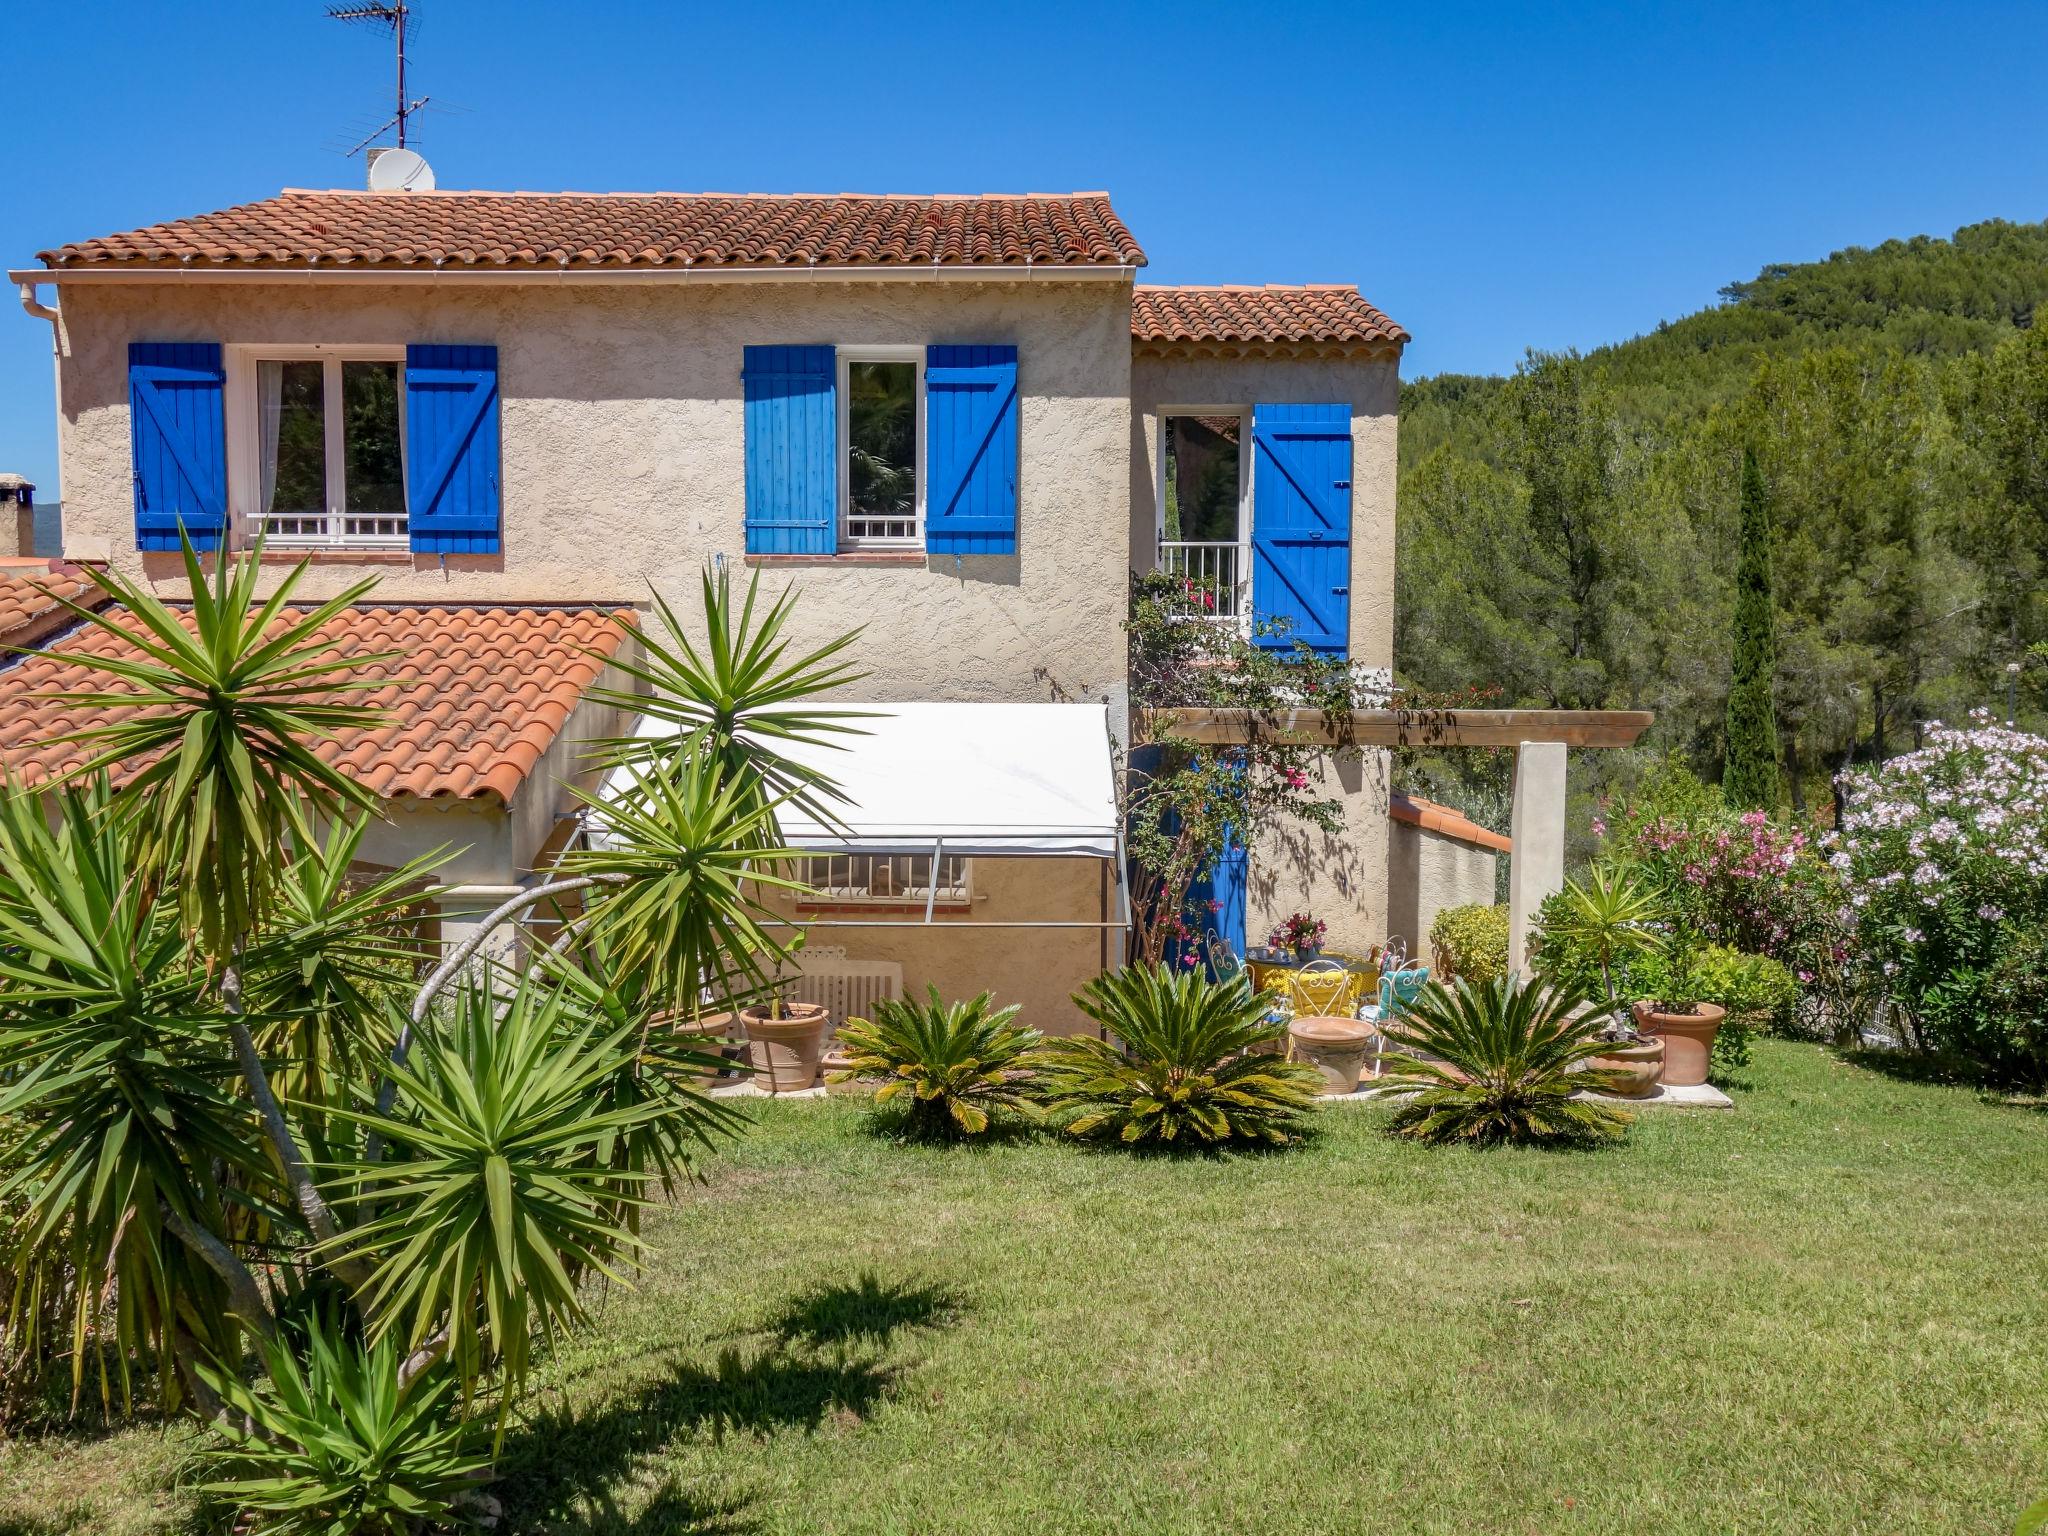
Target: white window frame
{"type": "Point", "coordinates": [245, 449]}
{"type": "Point", "coordinates": [846, 356]}
{"type": "Point", "coordinates": [825, 894]}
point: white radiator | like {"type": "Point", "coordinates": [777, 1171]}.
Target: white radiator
{"type": "Point", "coordinates": [849, 989]}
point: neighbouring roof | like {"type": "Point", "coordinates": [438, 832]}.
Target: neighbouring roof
{"type": "Point", "coordinates": [1444, 821]}
{"type": "Point", "coordinates": [1327, 314]}
{"type": "Point", "coordinates": [476, 698]}
{"type": "Point", "coordinates": [29, 611]}
{"type": "Point", "coordinates": [608, 229]}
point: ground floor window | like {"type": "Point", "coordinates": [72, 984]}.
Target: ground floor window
{"type": "Point", "coordinates": [319, 445]}
{"type": "Point", "coordinates": [887, 878]}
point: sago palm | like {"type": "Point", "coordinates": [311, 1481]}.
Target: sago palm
{"type": "Point", "coordinates": [1188, 1064]}
{"type": "Point", "coordinates": [1501, 1061]}
{"type": "Point", "coordinates": [951, 1064]}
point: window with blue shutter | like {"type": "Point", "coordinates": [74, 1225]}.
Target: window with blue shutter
{"type": "Point", "coordinates": [452, 448]}
{"type": "Point", "coordinates": [1301, 524]}
{"type": "Point", "coordinates": [179, 436]}
{"type": "Point", "coordinates": [792, 434]}
{"type": "Point", "coordinates": [971, 453]}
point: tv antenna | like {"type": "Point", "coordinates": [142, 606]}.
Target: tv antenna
{"type": "Point", "coordinates": [395, 17]}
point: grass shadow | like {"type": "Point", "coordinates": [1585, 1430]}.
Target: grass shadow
{"type": "Point", "coordinates": [1946, 1071]}
{"type": "Point", "coordinates": [820, 1356]}
{"type": "Point", "coordinates": [866, 1312]}
{"type": "Point", "coordinates": [889, 1123]}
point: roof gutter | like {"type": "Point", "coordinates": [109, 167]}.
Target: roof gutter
{"type": "Point", "coordinates": [560, 276]}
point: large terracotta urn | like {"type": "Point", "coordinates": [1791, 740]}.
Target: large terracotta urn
{"type": "Point", "coordinates": [1335, 1047]}
{"type": "Point", "coordinates": [1638, 1064]}
{"type": "Point", "coordinates": [784, 1044]}
{"type": "Point", "coordinates": [1688, 1040]}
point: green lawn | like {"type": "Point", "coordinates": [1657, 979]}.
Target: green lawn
{"type": "Point", "coordinates": [1822, 1312]}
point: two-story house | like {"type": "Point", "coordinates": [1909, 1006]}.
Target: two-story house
{"type": "Point", "coordinates": [956, 423]}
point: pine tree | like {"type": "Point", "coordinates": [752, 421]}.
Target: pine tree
{"type": "Point", "coordinates": [1750, 779]}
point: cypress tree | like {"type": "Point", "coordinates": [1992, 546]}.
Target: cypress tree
{"type": "Point", "coordinates": [1750, 779]}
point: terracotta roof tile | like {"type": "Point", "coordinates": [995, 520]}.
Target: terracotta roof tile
{"type": "Point", "coordinates": [584, 229]}
{"type": "Point", "coordinates": [1323, 312]}
{"type": "Point", "coordinates": [476, 696]}
{"type": "Point", "coordinates": [1441, 819]}
{"type": "Point", "coordinates": [27, 611]}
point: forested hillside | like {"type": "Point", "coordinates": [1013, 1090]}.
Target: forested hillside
{"type": "Point", "coordinates": [1569, 533]}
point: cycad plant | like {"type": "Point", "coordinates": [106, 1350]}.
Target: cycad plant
{"type": "Point", "coordinates": [1501, 1062]}
{"type": "Point", "coordinates": [1188, 1065]}
{"type": "Point", "coordinates": [949, 1064]}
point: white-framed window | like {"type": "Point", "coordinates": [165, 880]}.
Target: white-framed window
{"type": "Point", "coordinates": [1204, 526]}
{"type": "Point", "coordinates": [316, 444]}
{"type": "Point", "coordinates": [881, 447]}
{"type": "Point", "coordinates": [886, 879]}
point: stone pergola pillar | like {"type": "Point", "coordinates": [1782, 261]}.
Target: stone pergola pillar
{"type": "Point", "coordinates": [1536, 867]}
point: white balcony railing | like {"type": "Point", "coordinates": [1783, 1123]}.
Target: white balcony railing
{"type": "Point", "coordinates": [1214, 571]}
{"type": "Point", "coordinates": [385, 530]}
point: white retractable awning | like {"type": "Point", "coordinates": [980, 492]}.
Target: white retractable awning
{"type": "Point", "coordinates": [973, 780]}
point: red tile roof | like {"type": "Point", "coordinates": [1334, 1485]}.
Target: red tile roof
{"type": "Point", "coordinates": [1441, 819]}
{"type": "Point", "coordinates": [585, 229]}
{"type": "Point", "coordinates": [1327, 313]}
{"type": "Point", "coordinates": [27, 610]}
{"type": "Point", "coordinates": [476, 698]}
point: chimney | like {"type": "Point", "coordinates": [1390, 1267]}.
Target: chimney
{"type": "Point", "coordinates": [17, 531]}
{"type": "Point", "coordinates": [375, 153]}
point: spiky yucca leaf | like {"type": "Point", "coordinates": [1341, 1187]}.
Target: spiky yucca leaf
{"type": "Point", "coordinates": [497, 1201]}
{"type": "Point", "coordinates": [337, 1443]}
{"type": "Point", "coordinates": [217, 717]}
{"type": "Point", "coordinates": [950, 1064]}
{"type": "Point", "coordinates": [1495, 1063]}
{"type": "Point", "coordinates": [117, 1113]}
{"type": "Point", "coordinates": [1191, 1068]}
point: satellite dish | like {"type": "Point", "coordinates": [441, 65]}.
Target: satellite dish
{"type": "Point", "coordinates": [401, 170]}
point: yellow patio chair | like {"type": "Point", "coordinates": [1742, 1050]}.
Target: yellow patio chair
{"type": "Point", "coordinates": [1324, 988]}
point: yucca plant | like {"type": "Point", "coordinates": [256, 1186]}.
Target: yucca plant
{"type": "Point", "coordinates": [950, 1064]}
{"type": "Point", "coordinates": [338, 1442]}
{"type": "Point", "coordinates": [1603, 920]}
{"type": "Point", "coordinates": [1187, 1065]}
{"type": "Point", "coordinates": [1501, 1061]}
{"type": "Point", "coordinates": [497, 1197]}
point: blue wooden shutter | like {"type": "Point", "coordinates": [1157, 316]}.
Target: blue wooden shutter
{"type": "Point", "coordinates": [179, 438]}
{"type": "Point", "coordinates": [792, 426]}
{"type": "Point", "coordinates": [1301, 524]}
{"type": "Point", "coordinates": [451, 449]}
{"type": "Point", "coordinates": [970, 423]}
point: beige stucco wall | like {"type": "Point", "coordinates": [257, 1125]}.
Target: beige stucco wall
{"type": "Point", "coordinates": [1037, 968]}
{"type": "Point", "coordinates": [1427, 872]}
{"type": "Point", "coordinates": [623, 452]}
{"type": "Point", "coordinates": [1341, 877]}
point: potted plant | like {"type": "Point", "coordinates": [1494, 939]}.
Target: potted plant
{"type": "Point", "coordinates": [1608, 920]}
{"type": "Point", "coordinates": [1678, 1015]}
{"type": "Point", "coordinates": [1300, 935]}
{"type": "Point", "coordinates": [785, 1041]}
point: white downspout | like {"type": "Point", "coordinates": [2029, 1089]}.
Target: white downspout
{"type": "Point", "coordinates": [39, 309]}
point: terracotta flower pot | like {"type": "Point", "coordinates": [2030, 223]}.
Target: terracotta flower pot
{"type": "Point", "coordinates": [784, 1052]}
{"type": "Point", "coordinates": [837, 1060]}
{"type": "Point", "coordinates": [1640, 1064]}
{"type": "Point", "coordinates": [716, 1034]}
{"type": "Point", "coordinates": [1335, 1047]}
{"type": "Point", "coordinates": [1688, 1040]}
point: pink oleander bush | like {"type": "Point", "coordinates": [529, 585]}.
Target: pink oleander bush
{"type": "Point", "coordinates": [1944, 857]}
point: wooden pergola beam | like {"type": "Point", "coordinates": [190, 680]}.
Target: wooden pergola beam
{"type": "Point", "coordinates": [1399, 727]}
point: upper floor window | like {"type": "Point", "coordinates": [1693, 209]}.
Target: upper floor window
{"type": "Point", "coordinates": [322, 445]}
{"type": "Point", "coordinates": [881, 433]}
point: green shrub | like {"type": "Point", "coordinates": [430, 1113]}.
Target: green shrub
{"type": "Point", "coordinates": [1760, 994]}
{"type": "Point", "coordinates": [1589, 933]}
{"type": "Point", "coordinates": [339, 1442]}
{"type": "Point", "coordinates": [951, 1063]}
{"type": "Point", "coordinates": [1496, 1063]}
{"type": "Point", "coordinates": [1189, 1065]}
{"type": "Point", "coordinates": [1470, 942]}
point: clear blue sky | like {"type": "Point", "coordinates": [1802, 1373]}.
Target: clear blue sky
{"type": "Point", "coordinates": [1496, 177]}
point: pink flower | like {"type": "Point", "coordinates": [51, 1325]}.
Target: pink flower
{"type": "Point", "coordinates": [1599, 827]}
